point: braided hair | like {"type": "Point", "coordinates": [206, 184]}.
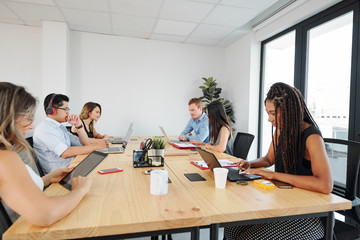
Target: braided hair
{"type": "Point", "coordinates": [290, 106]}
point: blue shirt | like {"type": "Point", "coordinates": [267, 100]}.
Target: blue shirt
{"type": "Point", "coordinates": [51, 139]}
{"type": "Point", "coordinates": [200, 127]}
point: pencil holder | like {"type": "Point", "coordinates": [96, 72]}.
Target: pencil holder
{"type": "Point", "coordinates": [142, 159]}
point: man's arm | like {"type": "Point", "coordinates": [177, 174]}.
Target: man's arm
{"type": "Point", "coordinates": [188, 128]}
{"type": "Point", "coordinates": [201, 135]}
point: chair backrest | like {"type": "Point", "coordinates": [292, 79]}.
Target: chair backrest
{"type": "Point", "coordinates": [31, 142]}
{"type": "Point", "coordinates": [5, 221]}
{"type": "Point", "coordinates": [242, 144]}
{"type": "Point", "coordinates": [344, 157]}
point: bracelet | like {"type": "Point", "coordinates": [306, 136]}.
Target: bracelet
{"type": "Point", "coordinates": [79, 127]}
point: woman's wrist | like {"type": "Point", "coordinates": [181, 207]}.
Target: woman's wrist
{"type": "Point", "coordinates": [249, 164]}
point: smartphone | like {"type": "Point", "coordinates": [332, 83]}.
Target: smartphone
{"type": "Point", "coordinates": [280, 184]}
{"type": "Point", "coordinates": [110, 170]}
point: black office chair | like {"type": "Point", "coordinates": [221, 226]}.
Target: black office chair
{"type": "Point", "coordinates": [31, 142]}
{"type": "Point", "coordinates": [344, 156]}
{"type": "Point", "coordinates": [242, 144]}
{"type": "Point", "coordinates": [5, 221]}
{"type": "Point", "coordinates": [68, 128]}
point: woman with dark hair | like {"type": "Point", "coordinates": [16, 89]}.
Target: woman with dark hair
{"type": "Point", "coordinates": [221, 139]}
{"type": "Point", "coordinates": [90, 113]}
{"type": "Point", "coordinates": [20, 187]}
{"type": "Point", "coordinates": [298, 153]}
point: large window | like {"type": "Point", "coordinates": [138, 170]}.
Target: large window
{"type": "Point", "coordinates": [328, 75]}
{"type": "Point", "coordinates": [320, 57]}
{"type": "Point", "coordinates": [278, 67]}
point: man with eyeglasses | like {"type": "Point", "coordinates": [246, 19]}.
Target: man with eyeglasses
{"type": "Point", "coordinates": [54, 145]}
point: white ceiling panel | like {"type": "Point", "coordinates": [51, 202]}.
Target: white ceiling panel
{"type": "Point", "coordinates": [253, 4]}
{"type": "Point", "coordinates": [169, 38]}
{"type": "Point", "coordinates": [95, 5]}
{"type": "Point", "coordinates": [174, 28]}
{"type": "Point", "coordinates": [41, 2]}
{"type": "Point", "coordinates": [12, 21]}
{"type": "Point", "coordinates": [185, 10]}
{"type": "Point", "coordinates": [131, 34]}
{"type": "Point", "coordinates": [204, 22]}
{"type": "Point", "coordinates": [146, 8]}
{"type": "Point", "coordinates": [202, 41]}
{"type": "Point", "coordinates": [91, 29]}
{"type": "Point", "coordinates": [231, 38]}
{"type": "Point", "coordinates": [212, 31]}
{"type": "Point", "coordinates": [33, 12]}
{"type": "Point", "coordinates": [87, 18]}
{"type": "Point", "coordinates": [6, 13]}
{"type": "Point", "coordinates": [207, 1]}
{"type": "Point", "coordinates": [131, 23]}
{"type": "Point", "coordinates": [230, 16]}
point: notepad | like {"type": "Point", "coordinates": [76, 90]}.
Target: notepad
{"type": "Point", "coordinates": [224, 163]}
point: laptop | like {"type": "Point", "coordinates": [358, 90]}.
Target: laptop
{"type": "Point", "coordinates": [118, 149]}
{"type": "Point", "coordinates": [176, 143]}
{"type": "Point", "coordinates": [120, 140]}
{"type": "Point", "coordinates": [83, 168]}
{"type": "Point", "coordinates": [233, 174]}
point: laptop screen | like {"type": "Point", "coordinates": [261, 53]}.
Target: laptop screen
{"type": "Point", "coordinates": [209, 158]}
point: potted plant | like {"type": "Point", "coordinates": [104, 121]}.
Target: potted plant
{"type": "Point", "coordinates": [158, 149]}
{"type": "Point", "coordinates": [212, 93]}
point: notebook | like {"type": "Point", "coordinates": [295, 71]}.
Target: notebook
{"type": "Point", "coordinates": [83, 168]}
{"type": "Point", "coordinates": [121, 140]}
{"type": "Point", "coordinates": [118, 149]}
{"type": "Point", "coordinates": [224, 163]}
{"type": "Point", "coordinates": [176, 143]}
{"type": "Point", "coordinates": [233, 174]}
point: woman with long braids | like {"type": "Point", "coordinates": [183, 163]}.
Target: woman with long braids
{"type": "Point", "coordinates": [298, 152]}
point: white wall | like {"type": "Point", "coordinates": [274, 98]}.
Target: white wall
{"type": "Point", "coordinates": [147, 82]}
{"type": "Point", "coordinates": [21, 59]}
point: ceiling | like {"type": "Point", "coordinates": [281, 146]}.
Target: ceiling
{"type": "Point", "coordinates": [203, 22]}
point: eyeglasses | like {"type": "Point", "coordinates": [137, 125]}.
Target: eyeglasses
{"type": "Point", "coordinates": [65, 109]}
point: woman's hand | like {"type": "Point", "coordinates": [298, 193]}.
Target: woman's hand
{"type": "Point", "coordinates": [261, 172]}
{"type": "Point", "coordinates": [106, 137]}
{"type": "Point", "coordinates": [81, 183]}
{"type": "Point", "coordinates": [55, 176]}
{"type": "Point", "coordinates": [243, 165]}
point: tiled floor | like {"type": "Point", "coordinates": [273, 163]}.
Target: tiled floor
{"type": "Point", "coordinates": [204, 235]}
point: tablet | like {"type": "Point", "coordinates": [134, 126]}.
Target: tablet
{"type": "Point", "coordinates": [83, 168]}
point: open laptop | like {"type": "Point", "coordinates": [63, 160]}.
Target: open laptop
{"type": "Point", "coordinates": [118, 149]}
{"type": "Point", "coordinates": [83, 168]}
{"type": "Point", "coordinates": [233, 174]}
{"type": "Point", "coordinates": [177, 143]}
{"type": "Point", "coordinates": [120, 140]}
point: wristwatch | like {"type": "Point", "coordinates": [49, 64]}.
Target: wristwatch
{"type": "Point", "coordinates": [79, 127]}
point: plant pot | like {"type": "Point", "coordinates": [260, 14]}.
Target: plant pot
{"type": "Point", "coordinates": [156, 159]}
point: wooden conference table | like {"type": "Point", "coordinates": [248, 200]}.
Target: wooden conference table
{"type": "Point", "coordinates": [120, 204]}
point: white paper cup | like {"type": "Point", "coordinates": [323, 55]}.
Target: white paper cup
{"type": "Point", "coordinates": [220, 175]}
{"type": "Point", "coordinates": [159, 182]}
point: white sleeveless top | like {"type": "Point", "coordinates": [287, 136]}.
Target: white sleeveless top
{"type": "Point", "coordinates": [37, 180]}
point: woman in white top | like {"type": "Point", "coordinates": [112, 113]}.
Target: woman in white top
{"type": "Point", "coordinates": [20, 188]}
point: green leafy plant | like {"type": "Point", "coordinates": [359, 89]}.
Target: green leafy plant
{"type": "Point", "coordinates": [158, 143]}
{"type": "Point", "coordinates": [212, 93]}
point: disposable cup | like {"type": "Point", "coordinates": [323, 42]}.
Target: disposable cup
{"type": "Point", "coordinates": [220, 175]}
